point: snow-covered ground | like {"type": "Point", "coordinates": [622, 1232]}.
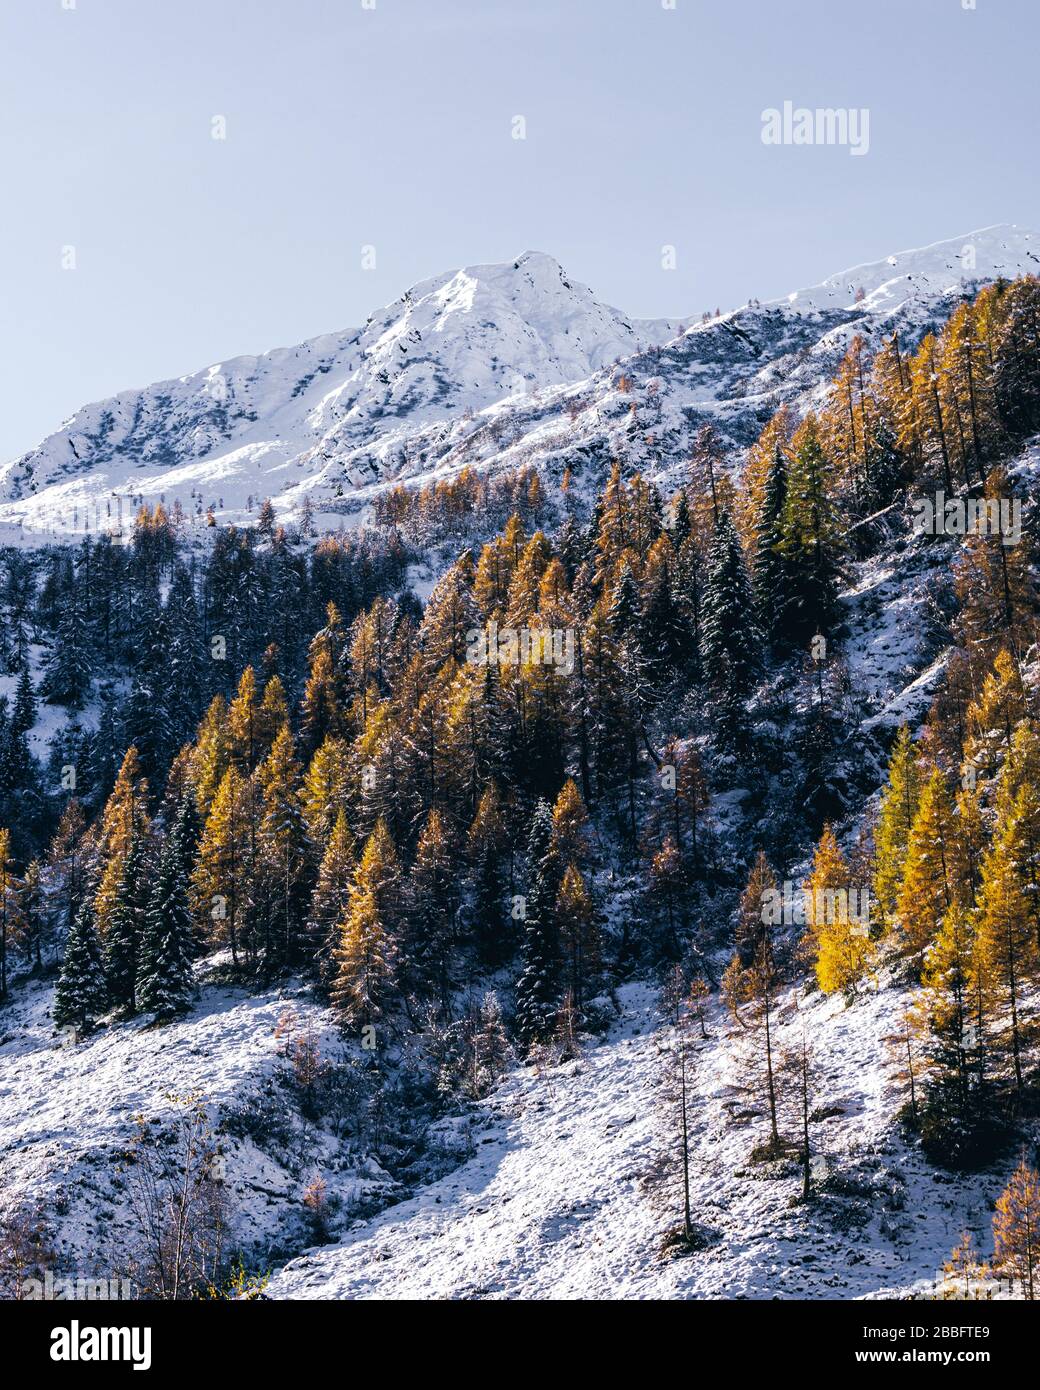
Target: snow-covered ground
{"type": "Point", "coordinates": [67, 1114]}
{"type": "Point", "coordinates": [577, 1179]}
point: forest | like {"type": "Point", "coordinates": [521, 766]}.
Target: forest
{"type": "Point", "coordinates": [269, 751]}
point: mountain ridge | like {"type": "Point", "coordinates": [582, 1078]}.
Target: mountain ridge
{"type": "Point", "coordinates": [511, 345]}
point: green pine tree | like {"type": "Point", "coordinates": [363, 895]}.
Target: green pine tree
{"type": "Point", "coordinates": [80, 996]}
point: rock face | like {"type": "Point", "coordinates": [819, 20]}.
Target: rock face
{"type": "Point", "coordinates": [487, 367]}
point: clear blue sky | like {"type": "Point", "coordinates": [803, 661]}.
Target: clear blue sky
{"type": "Point", "coordinates": [391, 127]}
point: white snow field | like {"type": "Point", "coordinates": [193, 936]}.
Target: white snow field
{"type": "Point", "coordinates": [67, 1115]}
{"type": "Point", "coordinates": [574, 1183]}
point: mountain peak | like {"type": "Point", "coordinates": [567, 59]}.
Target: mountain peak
{"type": "Point", "coordinates": [480, 366]}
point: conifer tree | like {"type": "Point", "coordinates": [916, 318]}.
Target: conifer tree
{"type": "Point", "coordinates": [953, 1112]}
{"type": "Point", "coordinates": [490, 1052]}
{"type": "Point", "coordinates": [840, 937]}
{"type": "Point", "coordinates": [211, 754]}
{"type": "Point", "coordinates": [1016, 1229]}
{"type": "Point", "coordinates": [730, 642]}
{"type": "Point", "coordinates": [67, 671]}
{"type": "Point", "coordinates": [929, 882]}
{"type": "Point", "coordinates": [23, 715]}
{"type": "Point", "coordinates": [7, 892]}
{"type": "Point", "coordinates": [538, 987]}
{"type": "Point", "coordinates": [571, 825]}
{"type": "Point", "coordinates": [329, 899]}
{"type": "Point", "coordinates": [812, 545]}
{"type": "Point", "coordinates": [122, 940]}
{"type": "Point", "coordinates": [326, 786]}
{"type": "Point", "coordinates": [432, 902]}
{"type": "Point", "coordinates": [769, 576]}
{"type": "Point", "coordinates": [79, 997]}
{"type": "Point", "coordinates": [994, 715]}
{"type": "Point", "coordinates": [27, 928]}
{"type": "Point", "coordinates": [66, 868]}
{"type": "Point", "coordinates": [222, 881]}
{"type": "Point", "coordinates": [579, 935]}
{"type": "Point", "coordinates": [125, 821]}
{"type": "Point", "coordinates": [665, 638]}
{"type": "Point", "coordinates": [165, 981]}
{"type": "Point", "coordinates": [322, 705]}
{"type": "Point", "coordinates": [282, 848]}
{"type": "Point", "coordinates": [366, 963]}
{"type": "Point", "coordinates": [488, 846]}
{"type": "Point", "coordinates": [994, 581]}
{"type": "Point", "coordinates": [1006, 947]}
{"type": "Point", "coordinates": [898, 808]}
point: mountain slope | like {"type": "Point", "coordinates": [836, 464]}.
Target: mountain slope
{"type": "Point", "coordinates": [575, 1182]}
{"type": "Point", "coordinates": [489, 366]}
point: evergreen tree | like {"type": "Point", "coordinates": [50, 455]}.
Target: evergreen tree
{"type": "Point", "coordinates": [812, 545]}
{"type": "Point", "coordinates": [329, 899]}
{"type": "Point", "coordinates": [7, 894]}
{"type": "Point", "coordinates": [538, 987]}
{"type": "Point", "coordinates": [769, 570]}
{"type": "Point", "coordinates": [488, 844]}
{"type": "Point", "coordinates": [67, 670]}
{"type": "Point", "coordinates": [165, 981]}
{"type": "Point", "coordinates": [122, 941]}
{"type": "Point", "coordinates": [579, 935]}
{"type": "Point", "coordinates": [729, 637]}
{"type": "Point", "coordinates": [23, 716]}
{"type": "Point", "coordinates": [80, 997]}
{"type": "Point", "coordinates": [433, 900]}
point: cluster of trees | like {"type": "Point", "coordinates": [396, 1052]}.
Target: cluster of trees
{"type": "Point", "coordinates": [451, 510]}
{"type": "Point", "coordinates": [307, 768]}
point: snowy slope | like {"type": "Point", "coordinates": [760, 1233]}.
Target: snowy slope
{"type": "Point", "coordinates": [576, 1181]}
{"type": "Point", "coordinates": [489, 366]}
{"type": "Point", "coordinates": [67, 1116]}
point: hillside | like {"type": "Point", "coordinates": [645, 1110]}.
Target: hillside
{"type": "Point", "coordinates": [392, 955]}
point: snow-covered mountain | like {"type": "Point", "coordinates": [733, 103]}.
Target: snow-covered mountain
{"type": "Point", "coordinates": [561, 1182]}
{"type": "Point", "coordinates": [488, 366]}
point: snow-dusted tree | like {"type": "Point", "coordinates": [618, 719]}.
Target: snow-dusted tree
{"type": "Point", "coordinates": [538, 988]}
{"type": "Point", "coordinates": [80, 996]}
{"type": "Point", "coordinates": [165, 983]}
{"type": "Point", "coordinates": [1016, 1229]}
{"type": "Point", "coordinates": [122, 941]}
